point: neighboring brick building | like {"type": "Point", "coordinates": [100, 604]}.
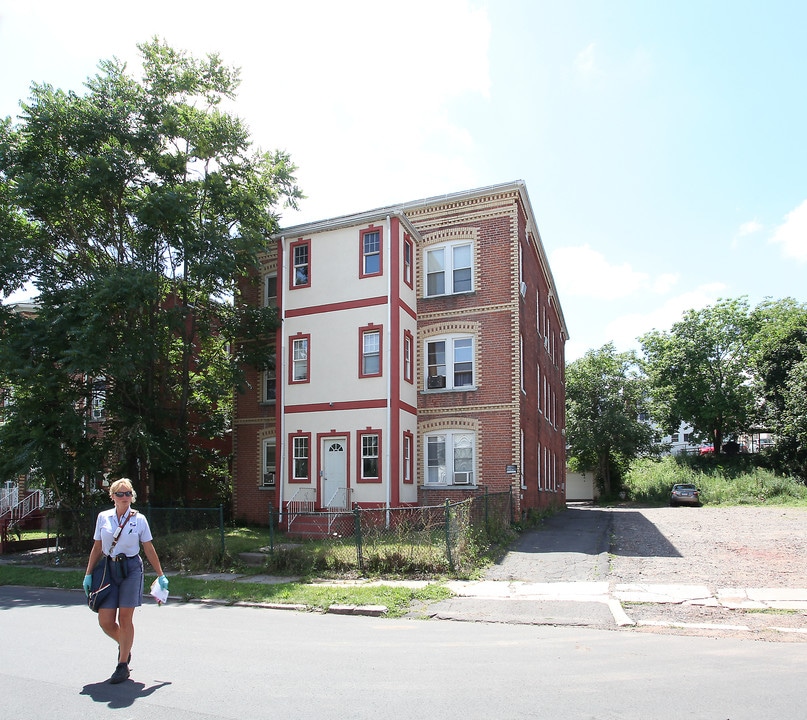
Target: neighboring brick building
{"type": "Point", "coordinates": [420, 357]}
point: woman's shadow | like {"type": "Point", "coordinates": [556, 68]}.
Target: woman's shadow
{"type": "Point", "coordinates": [122, 695]}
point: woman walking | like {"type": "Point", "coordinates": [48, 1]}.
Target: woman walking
{"type": "Point", "coordinates": [119, 532]}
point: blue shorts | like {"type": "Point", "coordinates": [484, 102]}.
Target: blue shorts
{"type": "Point", "coordinates": [126, 579]}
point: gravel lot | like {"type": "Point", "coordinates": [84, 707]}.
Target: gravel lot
{"type": "Point", "coordinates": [744, 547]}
{"type": "Point", "coordinates": [734, 547]}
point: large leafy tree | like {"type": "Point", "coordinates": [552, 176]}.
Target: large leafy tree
{"type": "Point", "coordinates": [699, 371]}
{"type": "Point", "coordinates": [606, 405]}
{"type": "Point", "coordinates": [779, 362]}
{"type": "Point", "coordinates": [133, 208]}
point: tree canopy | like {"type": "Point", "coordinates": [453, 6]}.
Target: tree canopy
{"type": "Point", "coordinates": [699, 371]}
{"type": "Point", "coordinates": [133, 209]}
{"type": "Point", "coordinates": [606, 400]}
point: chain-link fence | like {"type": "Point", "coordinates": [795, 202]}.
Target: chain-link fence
{"type": "Point", "coordinates": [411, 541]}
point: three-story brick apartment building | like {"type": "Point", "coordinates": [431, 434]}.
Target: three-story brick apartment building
{"type": "Point", "coordinates": [420, 357]}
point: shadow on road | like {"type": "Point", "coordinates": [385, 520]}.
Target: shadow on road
{"type": "Point", "coordinates": [120, 696]}
{"type": "Point", "coordinates": [633, 535]}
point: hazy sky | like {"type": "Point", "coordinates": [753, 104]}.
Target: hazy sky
{"type": "Point", "coordinates": [662, 143]}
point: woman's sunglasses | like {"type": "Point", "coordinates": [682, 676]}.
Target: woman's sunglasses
{"type": "Point", "coordinates": [126, 493]}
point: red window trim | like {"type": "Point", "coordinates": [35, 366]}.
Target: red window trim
{"type": "Point", "coordinates": [408, 243]}
{"type": "Point", "coordinates": [362, 233]}
{"type": "Point", "coordinates": [411, 464]}
{"type": "Point", "coordinates": [299, 336]}
{"type": "Point", "coordinates": [292, 247]}
{"type": "Point", "coordinates": [380, 330]}
{"type": "Point", "coordinates": [359, 464]}
{"type": "Point", "coordinates": [409, 367]}
{"type": "Point", "coordinates": [290, 469]}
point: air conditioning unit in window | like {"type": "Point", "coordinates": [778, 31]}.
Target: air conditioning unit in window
{"type": "Point", "coordinates": [269, 478]}
{"type": "Point", "coordinates": [436, 381]}
{"type": "Point", "coordinates": [463, 478]}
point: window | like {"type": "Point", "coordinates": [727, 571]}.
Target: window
{"type": "Point", "coordinates": [270, 381]}
{"type": "Point", "coordinates": [300, 264]}
{"type": "Point", "coordinates": [408, 255]}
{"type": "Point", "coordinates": [448, 270]}
{"type": "Point", "coordinates": [370, 470]}
{"type": "Point", "coordinates": [300, 459]}
{"type": "Point", "coordinates": [370, 352]}
{"type": "Point", "coordinates": [98, 403]}
{"type": "Point", "coordinates": [408, 457]}
{"type": "Point", "coordinates": [450, 458]}
{"type": "Point", "coordinates": [450, 363]}
{"type": "Point", "coordinates": [299, 359]}
{"type": "Point", "coordinates": [370, 252]}
{"type": "Point", "coordinates": [409, 359]}
{"type": "Point", "coordinates": [270, 298]}
{"type": "Point", "coordinates": [269, 463]}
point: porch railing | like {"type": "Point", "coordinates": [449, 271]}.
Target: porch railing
{"type": "Point", "coordinates": [302, 501]}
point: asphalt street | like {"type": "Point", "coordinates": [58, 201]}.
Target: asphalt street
{"type": "Point", "coordinates": [196, 662]}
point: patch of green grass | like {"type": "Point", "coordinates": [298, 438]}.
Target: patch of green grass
{"type": "Point", "coordinates": [313, 597]}
{"type": "Point", "coordinates": [650, 481]}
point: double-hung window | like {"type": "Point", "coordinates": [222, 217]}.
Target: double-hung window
{"type": "Point", "coordinates": [269, 463]}
{"type": "Point", "coordinates": [270, 381]}
{"type": "Point", "coordinates": [370, 252]}
{"type": "Point", "coordinates": [370, 444]}
{"type": "Point", "coordinates": [270, 298]}
{"type": "Point", "coordinates": [450, 363]}
{"type": "Point", "coordinates": [301, 458]}
{"type": "Point", "coordinates": [370, 352]}
{"type": "Point", "coordinates": [408, 256]}
{"type": "Point", "coordinates": [449, 269]}
{"type": "Point", "coordinates": [299, 359]}
{"type": "Point", "coordinates": [99, 398]}
{"type": "Point", "coordinates": [300, 266]}
{"type": "Point", "coordinates": [450, 458]}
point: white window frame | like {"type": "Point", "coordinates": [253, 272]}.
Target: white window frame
{"type": "Point", "coordinates": [268, 476]}
{"type": "Point", "coordinates": [435, 471]}
{"type": "Point", "coordinates": [450, 268]}
{"type": "Point", "coordinates": [450, 362]}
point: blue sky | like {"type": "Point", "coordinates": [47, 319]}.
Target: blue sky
{"type": "Point", "coordinates": [662, 143]}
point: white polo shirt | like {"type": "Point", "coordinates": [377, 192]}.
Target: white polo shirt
{"type": "Point", "coordinates": [135, 530]}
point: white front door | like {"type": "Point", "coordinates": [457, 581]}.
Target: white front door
{"type": "Point", "coordinates": [334, 472]}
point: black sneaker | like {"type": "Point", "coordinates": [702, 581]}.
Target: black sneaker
{"type": "Point", "coordinates": [120, 674]}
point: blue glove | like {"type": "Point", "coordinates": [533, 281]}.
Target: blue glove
{"type": "Point", "coordinates": [87, 584]}
{"type": "Point", "coordinates": [163, 582]}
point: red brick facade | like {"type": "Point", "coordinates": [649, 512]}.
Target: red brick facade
{"type": "Point", "coordinates": [509, 418]}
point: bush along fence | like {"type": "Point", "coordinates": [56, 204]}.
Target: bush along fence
{"type": "Point", "coordinates": [422, 540]}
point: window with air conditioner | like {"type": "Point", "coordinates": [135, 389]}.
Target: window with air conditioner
{"type": "Point", "coordinates": [269, 468]}
{"type": "Point", "coordinates": [450, 458]}
{"type": "Point", "coordinates": [450, 363]}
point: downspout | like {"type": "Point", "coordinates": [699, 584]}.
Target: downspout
{"type": "Point", "coordinates": [280, 380]}
{"type": "Point", "coordinates": [390, 439]}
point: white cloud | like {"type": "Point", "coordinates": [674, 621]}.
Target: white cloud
{"type": "Point", "coordinates": [749, 228]}
{"type": "Point", "coordinates": [792, 234]}
{"type": "Point", "coordinates": [586, 62]}
{"type": "Point", "coordinates": [625, 329]}
{"type": "Point", "coordinates": [583, 271]}
{"type": "Point", "coordinates": [355, 91]}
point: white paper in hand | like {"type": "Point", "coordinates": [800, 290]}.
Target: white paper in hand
{"type": "Point", "coordinates": [160, 595]}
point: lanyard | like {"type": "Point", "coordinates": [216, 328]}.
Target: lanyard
{"type": "Point", "coordinates": [117, 533]}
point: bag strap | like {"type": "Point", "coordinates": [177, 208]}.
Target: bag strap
{"type": "Point", "coordinates": [121, 523]}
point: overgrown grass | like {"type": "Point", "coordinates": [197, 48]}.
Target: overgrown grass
{"type": "Point", "coordinates": [315, 597]}
{"type": "Point", "coordinates": [721, 482]}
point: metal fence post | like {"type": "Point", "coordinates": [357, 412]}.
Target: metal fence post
{"type": "Point", "coordinates": [271, 528]}
{"type": "Point", "coordinates": [221, 530]}
{"type": "Point", "coordinates": [357, 534]}
{"type": "Point", "coordinates": [448, 536]}
{"type": "Point", "coordinates": [487, 520]}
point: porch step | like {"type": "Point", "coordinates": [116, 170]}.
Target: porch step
{"type": "Point", "coordinates": [315, 526]}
